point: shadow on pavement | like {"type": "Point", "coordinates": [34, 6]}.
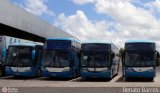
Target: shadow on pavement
{"type": "Point", "coordinates": [16, 78]}
{"type": "Point", "coordinates": [53, 79]}
{"type": "Point", "coordinates": [122, 79]}
{"type": "Point", "coordinates": [92, 80]}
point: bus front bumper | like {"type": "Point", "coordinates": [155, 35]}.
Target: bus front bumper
{"type": "Point", "coordinates": [10, 72]}
{"type": "Point", "coordinates": [96, 74]}
{"type": "Point", "coordinates": [65, 74]}
{"type": "Point", "coordinates": [140, 74]}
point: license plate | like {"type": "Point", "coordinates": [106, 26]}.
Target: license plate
{"type": "Point", "coordinates": [17, 74]}
{"type": "Point", "coordinates": [94, 77]}
{"type": "Point", "coordinates": [53, 74]}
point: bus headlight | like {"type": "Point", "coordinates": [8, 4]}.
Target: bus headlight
{"type": "Point", "coordinates": [106, 70]}
{"type": "Point", "coordinates": [129, 70]}
{"type": "Point", "coordinates": [151, 70]}
{"type": "Point", "coordinates": [7, 67]}
{"type": "Point", "coordinates": [27, 70]}
{"type": "Point", "coordinates": [65, 70]}
{"type": "Point", "coordinates": [84, 70]}
{"type": "Point", "coordinates": [43, 69]}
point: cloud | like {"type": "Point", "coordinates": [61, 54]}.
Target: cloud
{"type": "Point", "coordinates": [123, 12]}
{"type": "Point", "coordinates": [82, 2]}
{"type": "Point", "coordinates": [130, 23]}
{"type": "Point", "coordinates": [134, 22]}
{"type": "Point", "coordinates": [157, 4]}
{"type": "Point", "coordinates": [154, 7]}
{"type": "Point", "coordinates": [37, 7]}
{"type": "Point", "coordinates": [84, 29]}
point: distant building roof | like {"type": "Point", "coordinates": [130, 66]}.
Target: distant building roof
{"type": "Point", "coordinates": [18, 18]}
{"type": "Point", "coordinates": [26, 44]}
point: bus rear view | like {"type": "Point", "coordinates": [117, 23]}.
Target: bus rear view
{"type": "Point", "coordinates": [99, 60]}
{"type": "Point", "coordinates": [140, 60]}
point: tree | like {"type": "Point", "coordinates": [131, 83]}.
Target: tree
{"type": "Point", "coordinates": [121, 53]}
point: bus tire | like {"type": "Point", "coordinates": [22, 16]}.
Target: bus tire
{"type": "Point", "coordinates": [75, 74]}
{"type": "Point", "coordinates": [38, 73]}
{"type": "Point", "coordinates": [1, 72]}
{"type": "Point", "coordinates": [151, 79]}
{"type": "Point", "coordinates": [126, 78]}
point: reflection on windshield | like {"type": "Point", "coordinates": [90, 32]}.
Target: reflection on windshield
{"type": "Point", "coordinates": [139, 59]}
{"type": "Point", "coordinates": [52, 58]}
{"type": "Point", "coordinates": [98, 59]}
{"type": "Point", "coordinates": [19, 56]}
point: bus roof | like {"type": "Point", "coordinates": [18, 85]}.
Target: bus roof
{"type": "Point", "coordinates": [98, 41]}
{"type": "Point", "coordinates": [140, 41]}
{"type": "Point", "coordinates": [72, 39]}
{"type": "Point", "coordinates": [32, 44]}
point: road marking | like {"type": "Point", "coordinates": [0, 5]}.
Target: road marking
{"type": "Point", "coordinates": [116, 78]}
{"type": "Point", "coordinates": [75, 79]}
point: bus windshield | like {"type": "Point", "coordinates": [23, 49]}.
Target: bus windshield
{"type": "Point", "coordinates": [139, 59]}
{"type": "Point", "coordinates": [95, 59]}
{"type": "Point", "coordinates": [19, 56]}
{"type": "Point", "coordinates": [56, 58]}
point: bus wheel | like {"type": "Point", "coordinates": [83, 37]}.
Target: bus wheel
{"type": "Point", "coordinates": [151, 79]}
{"type": "Point", "coordinates": [38, 73]}
{"type": "Point", "coordinates": [1, 72]}
{"type": "Point", "coordinates": [126, 78]}
{"type": "Point", "coordinates": [75, 74]}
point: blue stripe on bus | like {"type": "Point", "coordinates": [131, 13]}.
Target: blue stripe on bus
{"type": "Point", "coordinates": [67, 74]}
{"type": "Point", "coordinates": [96, 74]}
{"type": "Point", "coordinates": [140, 74]}
{"type": "Point", "coordinates": [10, 72]}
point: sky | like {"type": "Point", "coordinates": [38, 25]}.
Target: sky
{"type": "Point", "coordinates": [114, 20]}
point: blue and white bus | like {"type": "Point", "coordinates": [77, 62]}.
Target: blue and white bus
{"type": "Point", "coordinates": [5, 41]}
{"type": "Point", "coordinates": [24, 59]}
{"type": "Point", "coordinates": [99, 59]}
{"type": "Point", "coordinates": [60, 58]}
{"type": "Point", "coordinates": [139, 59]}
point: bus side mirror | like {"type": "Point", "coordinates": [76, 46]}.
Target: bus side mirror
{"type": "Point", "coordinates": [157, 58]}
{"type": "Point", "coordinates": [157, 54]}
{"type": "Point", "coordinates": [79, 54]}
{"type": "Point", "coordinates": [112, 55]}
{"type": "Point", "coordinates": [33, 55]}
